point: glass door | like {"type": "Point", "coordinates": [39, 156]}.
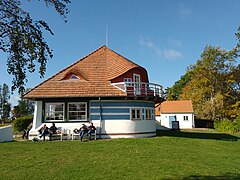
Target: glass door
{"type": "Point", "coordinates": [137, 88]}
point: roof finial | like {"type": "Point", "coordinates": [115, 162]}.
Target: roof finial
{"type": "Point", "coordinates": [106, 35]}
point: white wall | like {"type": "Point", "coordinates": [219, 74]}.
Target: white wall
{"type": "Point", "coordinates": [183, 124]}
{"type": "Point", "coordinates": [114, 128]}
{"type": "Point", "coordinates": [111, 128]}
{"type": "Point", "coordinates": [6, 133]}
{"type": "Point", "coordinates": [127, 128]}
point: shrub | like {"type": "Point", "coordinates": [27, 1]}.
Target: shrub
{"type": "Point", "coordinates": [22, 123]}
{"type": "Point", "coordinates": [237, 122]}
{"type": "Point", "coordinates": [226, 126]}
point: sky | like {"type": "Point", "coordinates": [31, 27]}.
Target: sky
{"type": "Point", "coordinates": [164, 36]}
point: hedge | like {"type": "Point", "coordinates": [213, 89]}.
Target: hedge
{"type": "Point", "coordinates": [227, 126]}
{"type": "Point", "coordinates": [22, 123]}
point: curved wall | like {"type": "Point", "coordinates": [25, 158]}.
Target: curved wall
{"type": "Point", "coordinates": [112, 118]}
{"type": "Point", "coordinates": [117, 120]}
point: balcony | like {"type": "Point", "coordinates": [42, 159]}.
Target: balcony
{"type": "Point", "coordinates": [140, 88]}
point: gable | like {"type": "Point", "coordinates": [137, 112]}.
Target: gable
{"type": "Point", "coordinates": [130, 73]}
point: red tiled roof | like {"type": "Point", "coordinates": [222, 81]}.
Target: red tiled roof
{"type": "Point", "coordinates": [96, 71]}
{"type": "Point", "coordinates": [181, 106]}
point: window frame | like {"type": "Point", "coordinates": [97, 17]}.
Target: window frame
{"type": "Point", "coordinates": [135, 113]}
{"type": "Point", "coordinates": [137, 84]}
{"type": "Point", "coordinates": [128, 82]}
{"type": "Point", "coordinates": [77, 120]}
{"type": "Point", "coordinates": [47, 112]}
{"type": "Point", "coordinates": [149, 114]}
{"type": "Point", "coordinates": [185, 118]}
{"type": "Point", "coordinates": [74, 77]}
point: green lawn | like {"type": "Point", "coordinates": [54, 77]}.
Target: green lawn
{"type": "Point", "coordinates": [6, 124]}
{"type": "Point", "coordinates": [170, 155]}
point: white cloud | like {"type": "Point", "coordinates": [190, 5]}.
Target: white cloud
{"type": "Point", "coordinates": [174, 43]}
{"type": "Point", "coordinates": [172, 54]}
{"type": "Point", "coordinates": [162, 53]}
{"type": "Point", "coordinates": [146, 42]}
{"type": "Point", "coordinates": [184, 11]}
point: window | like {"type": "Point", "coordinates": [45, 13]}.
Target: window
{"type": "Point", "coordinates": [153, 114]}
{"type": "Point", "coordinates": [77, 111]}
{"type": "Point", "coordinates": [128, 80]}
{"type": "Point", "coordinates": [136, 79]}
{"type": "Point", "coordinates": [136, 114]}
{"type": "Point", "coordinates": [185, 118]}
{"type": "Point", "coordinates": [149, 114]}
{"type": "Point", "coordinates": [73, 76]}
{"type": "Point", "coordinates": [54, 111]}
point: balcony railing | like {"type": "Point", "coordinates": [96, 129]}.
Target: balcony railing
{"type": "Point", "coordinates": [140, 88]}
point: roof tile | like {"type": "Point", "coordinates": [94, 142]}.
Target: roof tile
{"type": "Point", "coordinates": [181, 106]}
{"type": "Point", "coordinates": [97, 69]}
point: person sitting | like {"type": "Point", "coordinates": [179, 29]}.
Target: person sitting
{"type": "Point", "coordinates": [52, 130]}
{"type": "Point", "coordinates": [91, 129]}
{"type": "Point", "coordinates": [43, 131]}
{"type": "Point", "coordinates": [83, 130]}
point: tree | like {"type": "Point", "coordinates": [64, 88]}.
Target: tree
{"type": "Point", "coordinates": [174, 92]}
{"type": "Point", "coordinates": [4, 104]}
{"type": "Point", "coordinates": [24, 108]}
{"type": "Point", "coordinates": [22, 39]}
{"type": "Point", "coordinates": [210, 85]}
{"type": "Point", "coordinates": [235, 92]}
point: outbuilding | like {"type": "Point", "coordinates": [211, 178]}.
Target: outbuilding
{"type": "Point", "coordinates": [175, 114]}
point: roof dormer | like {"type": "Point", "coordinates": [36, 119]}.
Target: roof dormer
{"type": "Point", "coordinates": [73, 74]}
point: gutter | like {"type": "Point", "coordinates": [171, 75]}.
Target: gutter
{"type": "Point", "coordinates": [100, 119]}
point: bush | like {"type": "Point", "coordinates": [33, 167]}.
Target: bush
{"type": "Point", "coordinates": [22, 123]}
{"type": "Point", "coordinates": [227, 126]}
{"type": "Point", "coordinates": [237, 121]}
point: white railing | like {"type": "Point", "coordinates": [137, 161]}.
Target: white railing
{"type": "Point", "coordinates": [140, 88]}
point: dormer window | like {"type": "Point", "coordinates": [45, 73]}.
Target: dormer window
{"type": "Point", "coordinates": [73, 76]}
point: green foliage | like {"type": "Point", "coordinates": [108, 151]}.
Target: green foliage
{"type": "Point", "coordinates": [24, 108]}
{"type": "Point", "coordinates": [237, 121]}
{"type": "Point", "coordinates": [213, 84]}
{"type": "Point", "coordinates": [227, 126]}
{"type": "Point", "coordinates": [22, 123]}
{"type": "Point", "coordinates": [210, 84]}
{"type": "Point", "coordinates": [174, 92]}
{"type": "Point", "coordinates": [21, 37]}
{"type": "Point", "coordinates": [5, 106]}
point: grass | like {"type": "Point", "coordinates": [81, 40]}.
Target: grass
{"type": "Point", "coordinates": [5, 124]}
{"type": "Point", "coordinates": [170, 155]}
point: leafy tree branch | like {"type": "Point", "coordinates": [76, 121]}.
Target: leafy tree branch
{"type": "Point", "coordinates": [21, 37]}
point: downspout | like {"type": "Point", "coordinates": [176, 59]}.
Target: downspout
{"type": "Point", "coordinates": [100, 119]}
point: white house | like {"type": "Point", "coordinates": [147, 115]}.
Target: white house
{"type": "Point", "coordinates": [104, 88]}
{"type": "Point", "coordinates": [170, 112]}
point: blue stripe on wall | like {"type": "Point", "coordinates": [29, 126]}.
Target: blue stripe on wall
{"type": "Point", "coordinates": [124, 103]}
{"type": "Point", "coordinates": [109, 110]}
{"type": "Point", "coordinates": [110, 117]}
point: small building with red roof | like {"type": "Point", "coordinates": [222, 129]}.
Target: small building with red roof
{"type": "Point", "coordinates": [181, 111]}
{"type": "Point", "coordinates": [104, 88]}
